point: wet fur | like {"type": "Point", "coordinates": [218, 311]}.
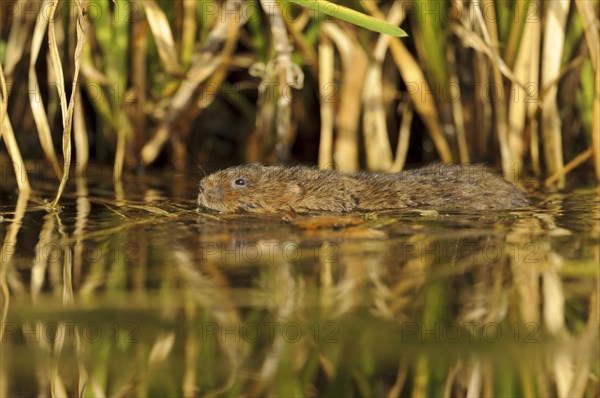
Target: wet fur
{"type": "Point", "coordinates": [270, 189]}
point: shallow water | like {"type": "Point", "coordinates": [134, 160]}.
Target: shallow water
{"type": "Point", "coordinates": [128, 290]}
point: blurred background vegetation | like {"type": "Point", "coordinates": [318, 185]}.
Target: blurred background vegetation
{"type": "Point", "coordinates": [210, 83]}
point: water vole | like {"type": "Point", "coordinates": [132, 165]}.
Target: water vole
{"type": "Point", "coordinates": [268, 189]}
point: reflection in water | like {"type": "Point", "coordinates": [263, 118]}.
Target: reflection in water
{"type": "Point", "coordinates": [133, 293]}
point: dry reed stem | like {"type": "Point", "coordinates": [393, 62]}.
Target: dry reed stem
{"type": "Point", "coordinates": [572, 165]}
{"type": "Point", "coordinates": [411, 73]}
{"type": "Point", "coordinates": [354, 66]}
{"type": "Point", "coordinates": [139, 78]}
{"type": "Point", "coordinates": [67, 111]}
{"type": "Point", "coordinates": [378, 151]}
{"type": "Point", "coordinates": [554, 38]}
{"type": "Point", "coordinates": [427, 110]}
{"type": "Point", "coordinates": [56, 71]}
{"type": "Point", "coordinates": [309, 55]}
{"type": "Point", "coordinates": [7, 133]}
{"type": "Point", "coordinates": [82, 147]}
{"type": "Point", "coordinates": [596, 126]}
{"type": "Point", "coordinates": [124, 130]}
{"type": "Point", "coordinates": [457, 106]}
{"type": "Point", "coordinates": [403, 138]}
{"type": "Point", "coordinates": [35, 100]}
{"type": "Point", "coordinates": [489, 31]}
{"type": "Point", "coordinates": [13, 152]}
{"type": "Point", "coordinates": [526, 70]}
{"type": "Point", "coordinates": [188, 31]}
{"type": "Point", "coordinates": [377, 144]}
{"type": "Point", "coordinates": [486, 42]}
{"type": "Point", "coordinates": [326, 100]}
{"type": "Point", "coordinates": [288, 76]}
{"type": "Point", "coordinates": [163, 37]}
{"type": "Point", "coordinates": [17, 36]}
{"type": "Point", "coordinates": [3, 100]}
{"type": "Point", "coordinates": [204, 64]}
{"type": "Point", "coordinates": [590, 22]}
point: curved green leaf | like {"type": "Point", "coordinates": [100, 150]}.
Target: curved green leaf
{"type": "Point", "coordinates": [352, 16]}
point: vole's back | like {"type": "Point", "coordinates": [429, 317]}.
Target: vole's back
{"type": "Point", "coordinates": [442, 186]}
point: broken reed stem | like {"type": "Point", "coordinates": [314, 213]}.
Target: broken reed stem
{"type": "Point", "coordinates": [573, 164]}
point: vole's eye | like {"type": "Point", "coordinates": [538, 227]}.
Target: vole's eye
{"type": "Point", "coordinates": [240, 182]}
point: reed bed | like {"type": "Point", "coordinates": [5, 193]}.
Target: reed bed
{"type": "Point", "coordinates": [514, 84]}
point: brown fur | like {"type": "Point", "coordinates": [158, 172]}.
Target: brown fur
{"type": "Point", "coordinates": [270, 189]}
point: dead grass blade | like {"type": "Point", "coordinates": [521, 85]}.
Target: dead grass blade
{"type": "Point", "coordinates": [326, 99]}
{"type": "Point", "coordinates": [554, 39]}
{"type": "Point", "coordinates": [354, 68]}
{"type": "Point", "coordinates": [35, 99]}
{"type": "Point", "coordinates": [67, 112]}
{"type": "Point", "coordinates": [163, 37]}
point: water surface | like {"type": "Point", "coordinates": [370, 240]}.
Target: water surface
{"type": "Point", "coordinates": [127, 290]}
